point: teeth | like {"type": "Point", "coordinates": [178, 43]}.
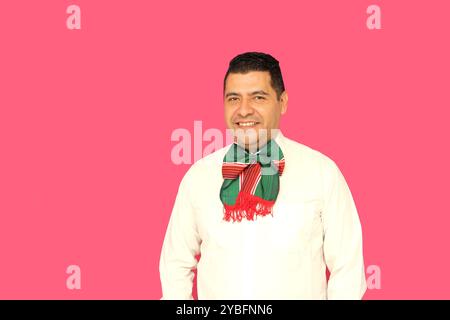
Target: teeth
{"type": "Point", "coordinates": [247, 124]}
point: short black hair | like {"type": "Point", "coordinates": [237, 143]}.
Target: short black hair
{"type": "Point", "coordinates": [257, 61]}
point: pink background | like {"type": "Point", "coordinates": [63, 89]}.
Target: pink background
{"type": "Point", "coordinates": [86, 117]}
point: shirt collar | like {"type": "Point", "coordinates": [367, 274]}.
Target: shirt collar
{"type": "Point", "coordinates": [279, 137]}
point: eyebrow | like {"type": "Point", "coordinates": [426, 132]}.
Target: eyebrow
{"type": "Point", "coordinates": [260, 92]}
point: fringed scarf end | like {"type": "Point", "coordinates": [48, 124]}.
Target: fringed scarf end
{"type": "Point", "coordinates": [247, 206]}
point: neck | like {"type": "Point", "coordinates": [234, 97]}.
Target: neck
{"type": "Point", "coordinates": [255, 148]}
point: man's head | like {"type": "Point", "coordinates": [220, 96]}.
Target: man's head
{"type": "Point", "coordinates": [254, 97]}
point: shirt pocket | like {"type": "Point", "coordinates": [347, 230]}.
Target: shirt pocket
{"type": "Point", "coordinates": [294, 224]}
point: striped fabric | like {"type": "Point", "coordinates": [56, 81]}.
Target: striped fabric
{"type": "Point", "coordinates": [251, 181]}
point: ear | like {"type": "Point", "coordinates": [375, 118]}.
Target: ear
{"type": "Point", "coordinates": [284, 102]}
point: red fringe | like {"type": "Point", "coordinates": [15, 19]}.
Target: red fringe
{"type": "Point", "coordinates": [247, 206]}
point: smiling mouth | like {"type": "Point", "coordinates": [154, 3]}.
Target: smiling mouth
{"type": "Point", "coordinates": [246, 124]}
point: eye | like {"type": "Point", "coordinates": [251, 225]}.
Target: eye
{"type": "Point", "coordinates": [232, 99]}
{"type": "Point", "coordinates": [260, 98]}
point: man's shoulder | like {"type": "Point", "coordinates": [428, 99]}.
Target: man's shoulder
{"type": "Point", "coordinates": [308, 154]}
{"type": "Point", "coordinates": [215, 158]}
{"type": "Point", "coordinates": [312, 161]}
{"type": "Point", "coordinates": [207, 164]}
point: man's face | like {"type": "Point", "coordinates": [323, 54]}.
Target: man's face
{"type": "Point", "coordinates": [251, 105]}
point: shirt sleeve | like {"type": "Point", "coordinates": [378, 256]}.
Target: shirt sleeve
{"type": "Point", "coordinates": [343, 249]}
{"type": "Point", "coordinates": [180, 248]}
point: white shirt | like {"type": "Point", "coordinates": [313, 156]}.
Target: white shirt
{"type": "Point", "coordinates": [315, 225]}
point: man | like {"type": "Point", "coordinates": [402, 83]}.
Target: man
{"type": "Point", "coordinates": [267, 215]}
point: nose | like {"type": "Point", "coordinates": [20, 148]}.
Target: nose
{"type": "Point", "coordinates": [245, 108]}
